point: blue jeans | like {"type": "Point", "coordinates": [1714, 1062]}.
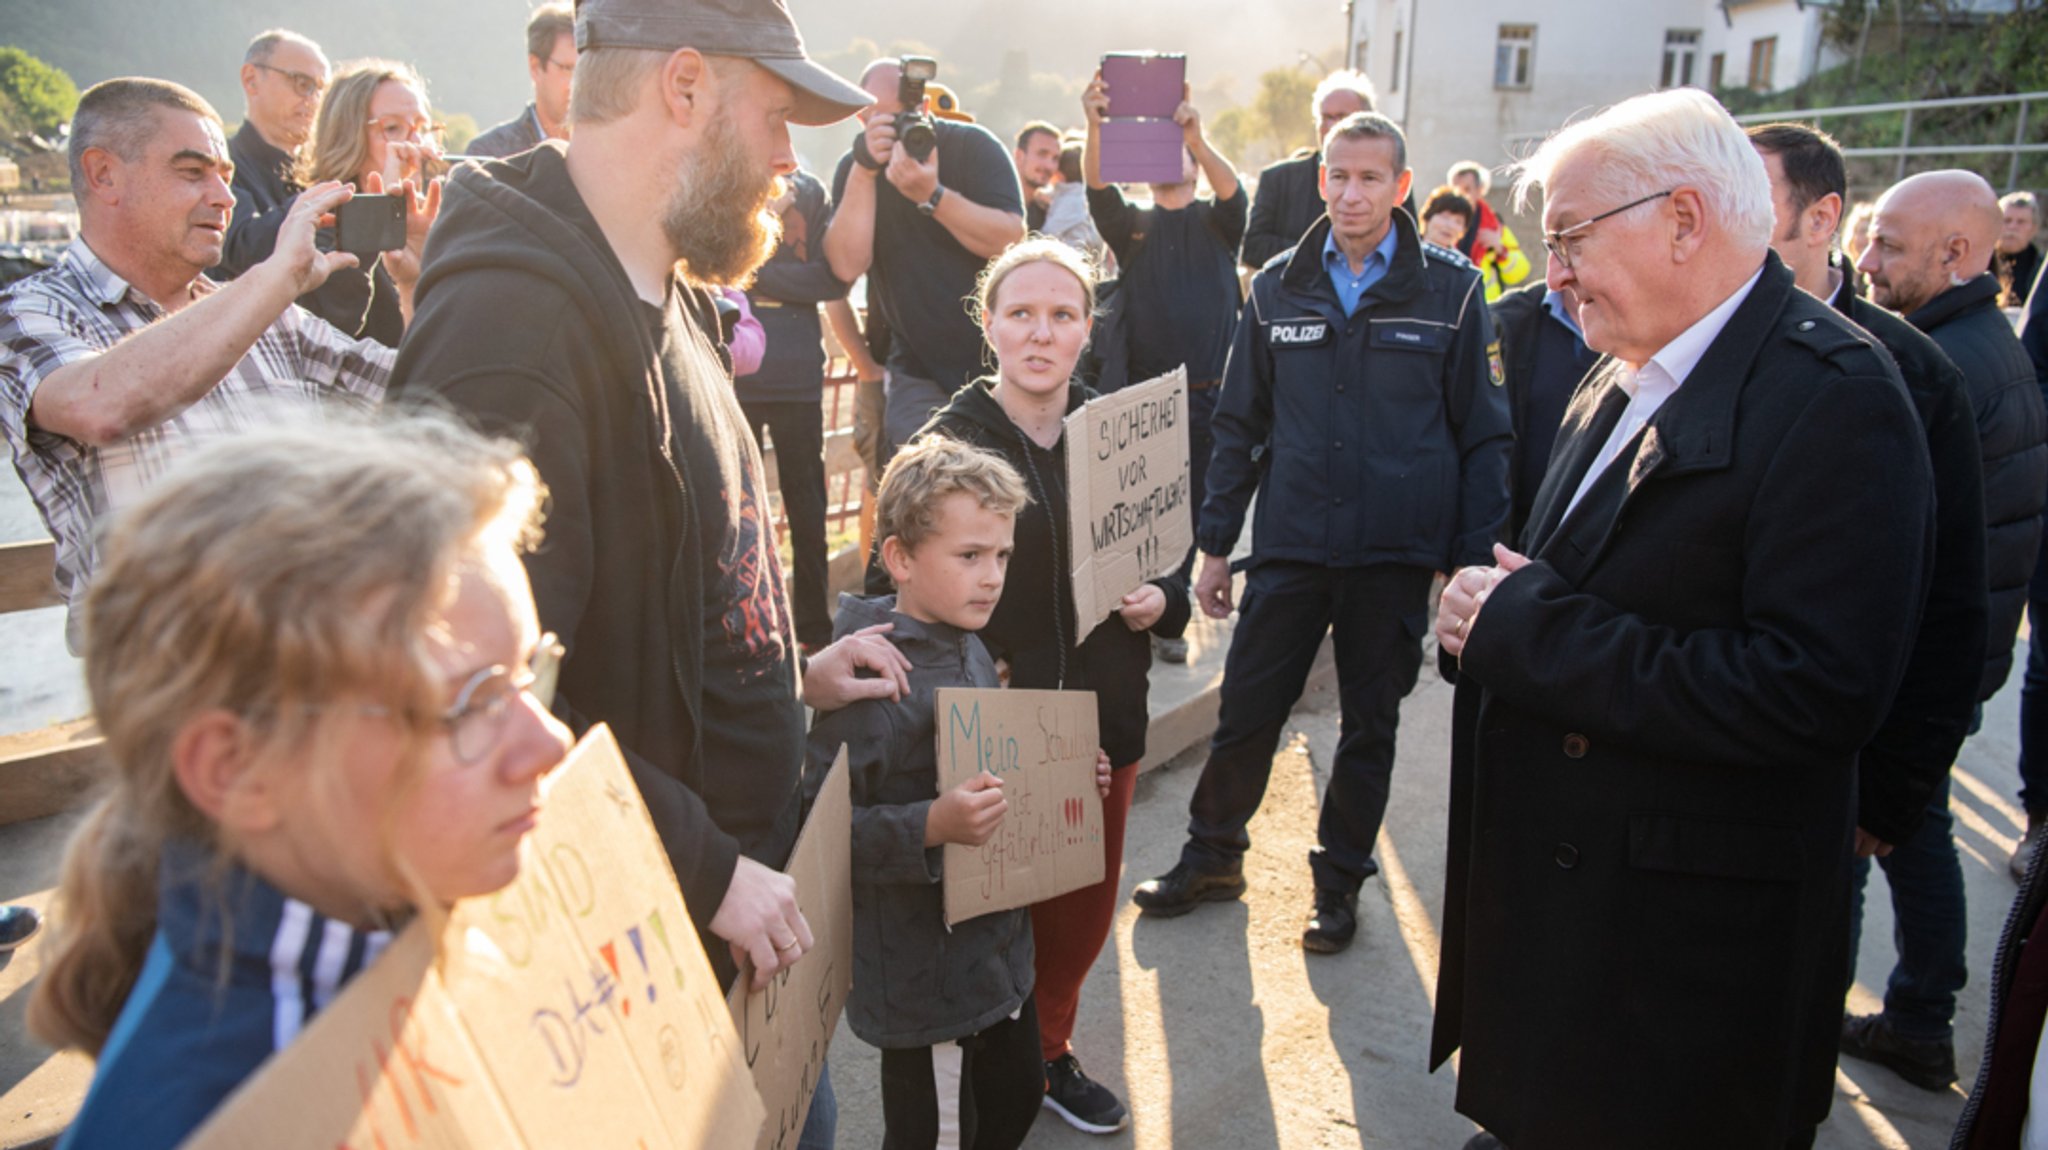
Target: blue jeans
{"type": "Point", "coordinates": [821, 1125]}
{"type": "Point", "coordinates": [1930, 926]}
{"type": "Point", "coordinates": [2034, 714]}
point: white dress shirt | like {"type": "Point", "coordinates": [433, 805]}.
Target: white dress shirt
{"type": "Point", "coordinates": [1650, 384]}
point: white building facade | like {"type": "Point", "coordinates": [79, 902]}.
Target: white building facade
{"type": "Point", "coordinates": [1486, 79]}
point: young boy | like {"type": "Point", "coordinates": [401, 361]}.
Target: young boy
{"type": "Point", "coordinates": [951, 1010]}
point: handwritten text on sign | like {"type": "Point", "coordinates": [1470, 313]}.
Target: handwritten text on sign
{"type": "Point", "coordinates": [786, 1027]}
{"type": "Point", "coordinates": [573, 1008]}
{"type": "Point", "coordinates": [1127, 481]}
{"type": "Point", "coordinates": [1042, 745]}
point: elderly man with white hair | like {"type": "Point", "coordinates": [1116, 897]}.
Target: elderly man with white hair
{"type": "Point", "coordinates": [1660, 704]}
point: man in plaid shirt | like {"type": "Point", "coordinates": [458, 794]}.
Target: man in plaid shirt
{"type": "Point", "coordinates": [122, 357]}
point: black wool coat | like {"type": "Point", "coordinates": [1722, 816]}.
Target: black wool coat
{"type": "Point", "coordinates": [1654, 758]}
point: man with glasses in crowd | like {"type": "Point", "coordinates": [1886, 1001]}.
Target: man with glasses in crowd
{"type": "Point", "coordinates": [1288, 198]}
{"type": "Point", "coordinates": [1654, 749]}
{"type": "Point", "coordinates": [283, 75]}
{"type": "Point", "coordinates": [551, 63]}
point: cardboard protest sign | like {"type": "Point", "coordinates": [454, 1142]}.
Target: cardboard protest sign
{"type": "Point", "coordinates": [1042, 744]}
{"type": "Point", "coordinates": [1127, 490]}
{"type": "Point", "coordinates": [786, 1027]}
{"type": "Point", "coordinates": [573, 1008]}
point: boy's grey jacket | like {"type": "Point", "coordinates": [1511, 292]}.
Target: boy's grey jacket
{"type": "Point", "coordinates": [915, 983]}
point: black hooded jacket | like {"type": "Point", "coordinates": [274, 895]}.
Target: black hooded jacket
{"type": "Point", "coordinates": [527, 323]}
{"type": "Point", "coordinates": [2012, 430]}
{"type": "Point", "coordinates": [1033, 624]}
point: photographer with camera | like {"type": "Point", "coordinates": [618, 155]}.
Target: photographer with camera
{"type": "Point", "coordinates": [922, 205]}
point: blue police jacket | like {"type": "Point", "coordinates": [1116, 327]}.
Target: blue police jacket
{"type": "Point", "coordinates": [1378, 437]}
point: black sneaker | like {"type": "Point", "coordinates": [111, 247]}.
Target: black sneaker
{"type": "Point", "coordinates": [1086, 1104]}
{"type": "Point", "coordinates": [1927, 1063]}
{"type": "Point", "coordinates": [1334, 923]}
{"type": "Point", "coordinates": [1179, 890]}
{"type": "Point", "coordinates": [18, 924]}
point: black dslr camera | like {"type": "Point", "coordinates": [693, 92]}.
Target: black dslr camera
{"type": "Point", "coordinates": [914, 131]}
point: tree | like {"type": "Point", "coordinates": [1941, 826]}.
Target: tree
{"type": "Point", "coordinates": [1283, 103]}
{"type": "Point", "coordinates": [1273, 125]}
{"type": "Point", "coordinates": [41, 96]}
{"type": "Point", "coordinates": [461, 130]}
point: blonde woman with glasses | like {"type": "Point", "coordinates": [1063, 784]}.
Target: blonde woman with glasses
{"type": "Point", "coordinates": [314, 655]}
{"type": "Point", "coordinates": [377, 134]}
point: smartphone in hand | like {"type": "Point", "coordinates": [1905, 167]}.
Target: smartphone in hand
{"type": "Point", "coordinates": [367, 226]}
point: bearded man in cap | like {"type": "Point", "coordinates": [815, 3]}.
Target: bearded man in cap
{"type": "Point", "coordinates": [569, 301]}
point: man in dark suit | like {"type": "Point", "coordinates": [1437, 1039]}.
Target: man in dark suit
{"type": "Point", "coordinates": [1290, 198]}
{"type": "Point", "coordinates": [1902, 793]}
{"type": "Point", "coordinates": [1929, 260]}
{"type": "Point", "coordinates": [1653, 783]}
{"type": "Point", "coordinates": [551, 64]}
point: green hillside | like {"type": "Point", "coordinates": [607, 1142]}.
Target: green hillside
{"type": "Point", "coordinates": [1924, 57]}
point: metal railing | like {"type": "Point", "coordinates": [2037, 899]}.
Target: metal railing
{"type": "Point", "coordinates": [1907, 109]}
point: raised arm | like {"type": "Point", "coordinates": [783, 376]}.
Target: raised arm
{"type": "Point", "coordinates": [1221, 175]}
{"type": "Point", "coordinates": [1094, 105]}
{"type": "Point", "coordinates": [850, 238]}
{"type": "Point", "coordinates": [982, 209]}
{"type": "Point", "coordinates": [168, 366]}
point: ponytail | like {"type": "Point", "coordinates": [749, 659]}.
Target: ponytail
{"type": "Point", "coordinates": [100, 928]}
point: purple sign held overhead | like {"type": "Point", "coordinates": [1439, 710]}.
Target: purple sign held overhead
{"type": "Point", "coordinates": [1140, 142]}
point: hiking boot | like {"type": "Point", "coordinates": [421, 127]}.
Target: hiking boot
{"type": "Point", "coordinates": [1334, 923]}
{"type": "Point", "coordinates": [1927, 1063]}
{"type": "Point", "coordinates": [1170, 650]}
{"type": "Point", "coordinates": [1179, 890]}
{"type": "Point", "coordinates": [1087, 1105]}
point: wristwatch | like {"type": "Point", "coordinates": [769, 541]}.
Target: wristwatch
{"type": "Point", "coordinates": [931, 206]}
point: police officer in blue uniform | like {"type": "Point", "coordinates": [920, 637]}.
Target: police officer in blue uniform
{"type": "Point", "coordinates": [1363, 402]}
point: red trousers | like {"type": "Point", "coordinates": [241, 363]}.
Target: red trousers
{"type": "Point", "coordinates": [1068, 932]}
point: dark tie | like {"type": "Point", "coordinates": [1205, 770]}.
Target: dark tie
{"type": "Point", "coordinates": [1577, 449]}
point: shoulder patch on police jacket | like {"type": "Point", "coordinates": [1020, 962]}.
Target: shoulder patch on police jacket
{"type": "Point", "coordinates": [1308, 331]}
{"type": "Point", "coordinates": [1494, 370]}
{"type": "Point", "coordinates": [1451, 256]}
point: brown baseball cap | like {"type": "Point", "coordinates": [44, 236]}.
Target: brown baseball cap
{"type": "Point", "coordinates": [757, 30]}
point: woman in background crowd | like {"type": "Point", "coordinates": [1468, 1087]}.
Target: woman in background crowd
{"type": "Point", "coordinates": [376, 132]}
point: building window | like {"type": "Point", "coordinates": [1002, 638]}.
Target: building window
{"type": "Point", "coordinates": [1763, 57]}
{"type": "Point", "coordinates": [1394, 72]}
{"type": "Point", "coordinates": [1358, 57]}
{"type": "Point", "coordinates": [1681, 50]}
{"type": "Point", "coordinates": [1717, 66]}
{"type": "Point", "coordinates": [1513, 55]}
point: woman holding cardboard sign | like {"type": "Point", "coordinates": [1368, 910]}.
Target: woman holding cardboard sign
{"type": "Point", "coordinates": [314, 656]}
{"type": "Point", "coordinates": [1037, 303]}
